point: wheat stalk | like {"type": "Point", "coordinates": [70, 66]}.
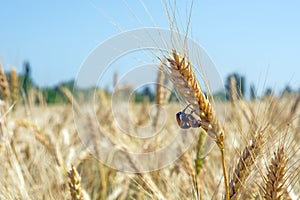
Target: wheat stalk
{"type": "Point", "coordinates": [182, 75]}
{"type": "Point", "coordinates": [162, 95]}
{"type": "Point", "coordinates": [189, 167]}
{"type": "Point", "coordinates": [44, 141]}
{"type": "Point", "coordinates": [14, 85]}
{"type": "Point", "coordinates": [232, 89]}
{"type": "Point", "coordinates": [75, 184]}
{"type": "Point", "coordinates": [158, 95]}
{"type": "Point", "coordinates": [69, 96]}
{"type": "Point", "coordinates": [295, 106]}
{"type": "Point", "coordinates": [150, 184]}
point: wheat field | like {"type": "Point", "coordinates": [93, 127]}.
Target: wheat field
{"type": "Point", "coordinates": [43, 157]}
{"type": "Point", "coordinates": [63, 151]}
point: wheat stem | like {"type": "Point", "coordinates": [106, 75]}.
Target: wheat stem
{"type": "Point", "coordinates": [14, 85]}
{"type": "Point", "coordinates": [220, 143]}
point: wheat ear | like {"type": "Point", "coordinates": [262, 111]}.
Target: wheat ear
{"type": "Point", "coordinates": [246, 161]}
{"type": "Point", "coordinates": [75, 184]}
{"type": "Point", "coordinates": [182, 75]}
{"type": "Point", "coordinates": [4, 87]}
{"type": "Point", "coordinates": [275, 188]}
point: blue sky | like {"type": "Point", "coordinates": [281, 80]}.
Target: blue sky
{"type": "Point", "coordinates": [258, 39]}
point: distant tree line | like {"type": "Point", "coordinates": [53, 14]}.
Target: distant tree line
{"type": "Point", "coordinates": [235, 89]}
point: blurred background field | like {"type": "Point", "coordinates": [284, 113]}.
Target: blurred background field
{"type": "Point", "coordinates": [40, 143]}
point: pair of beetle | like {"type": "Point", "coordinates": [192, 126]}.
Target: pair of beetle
{"type": "Point", "coordinates": [186, 120]}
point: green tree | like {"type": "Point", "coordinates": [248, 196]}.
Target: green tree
{"type": "Point", "coordinates": [27, 81]}
{"type": "Point", "coordinates": [253, 95]}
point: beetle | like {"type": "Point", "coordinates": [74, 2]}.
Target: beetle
{"type": "Point", "coordinates": [186, 121]}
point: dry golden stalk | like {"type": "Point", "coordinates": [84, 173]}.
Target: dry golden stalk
{"type": "Point", "coordinates": [159, 87]}
{"type": "Point", "coordinates": [103, 99]}
{"type": "Point", "coordinates": [14, 86]}
{"type": "Point", "coordinates": [182, 75]}
{"type": "Point", "coordinates": [94, 130]}
{"type": "Point", "coordinates": [275, 188]}
{"type": "Point", "coordinates": [162, 95]}
{"type": "Point", "coordinates": [31, 96]}
{"type": "Point", "coordinates": [75, 184]}
{"type": "Point", "coordinates": [41, 98]}
{"type": "Point", "coordinates": [295, 106]}
{"type": "Point", "coordinates": [146, 178]}
{"type": "Point", "coordinates": [243, 167]}
{"type": "Point", "coordinates": [232, 89]}
{"type": "Point", "coordinates": [142, 118]}
{"type": "Point", "coordinates": [68, 94]}
{"type": "Point", "coordinates": [189, 167]}
{"type": "Point", "coordinates": [44, 141]}
{"type": "Point", "coordinates": [4, 87]}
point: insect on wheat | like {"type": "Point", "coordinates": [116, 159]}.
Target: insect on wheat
{"type": "Point", "coordinates": [186, 121]}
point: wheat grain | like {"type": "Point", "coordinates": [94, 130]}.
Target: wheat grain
{"type": "Point", "coordinates": [75, 184]}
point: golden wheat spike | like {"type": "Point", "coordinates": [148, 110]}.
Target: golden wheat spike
{"type": "Point", "coordinates": [275, 188]}
{"type": "Point", "coordinates": [14, 85]}
{"type": "Point", "coordinates": [181, 72]}
{"type": "Point", "coordinates": [244, 165]}
{"type": "Point", "coordinates": [75, 184]}
{"type": "Point", "coordinates": [4, 87]}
